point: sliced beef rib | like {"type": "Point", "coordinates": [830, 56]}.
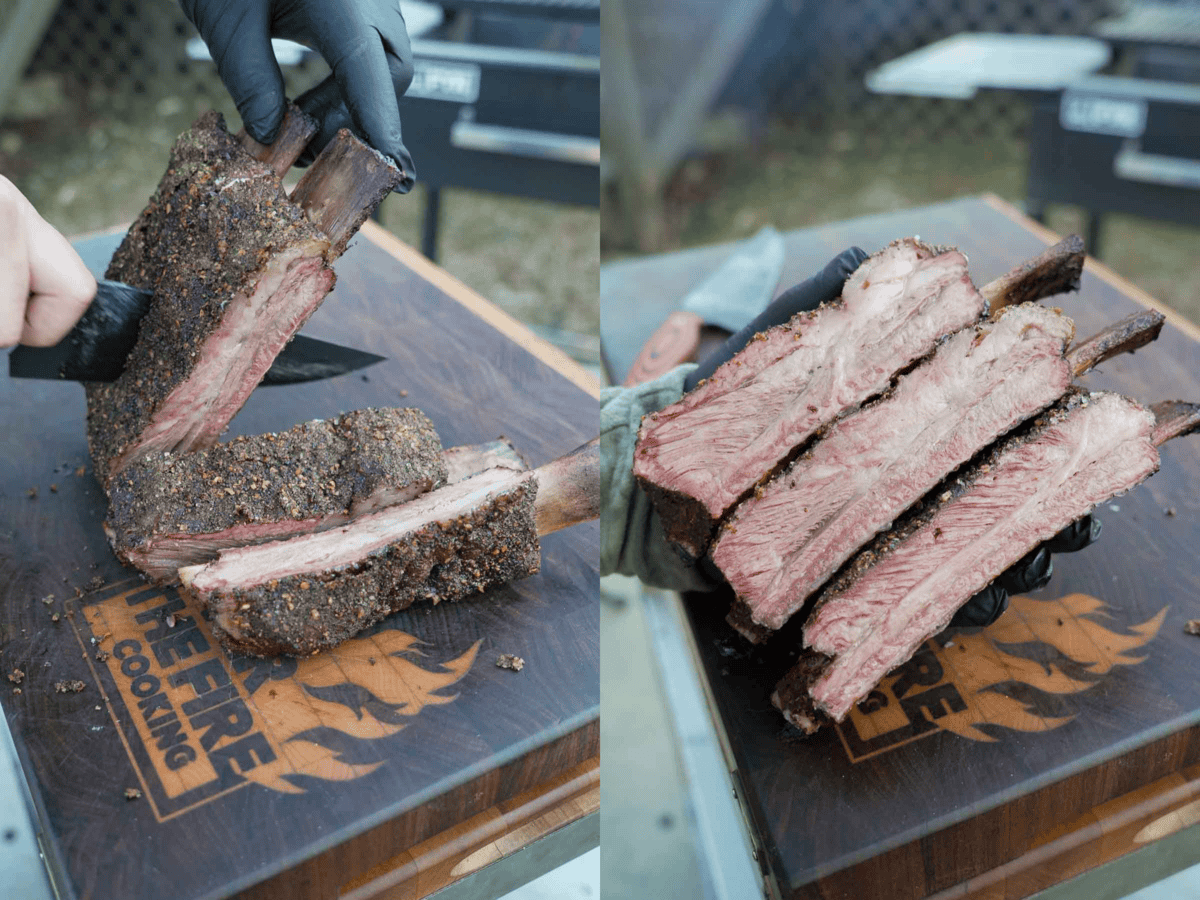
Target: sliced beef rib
{"type": "Point", "coordinates": [780, 546]}
{"type": "Point", "coordinates": [908, 584]}
{"type": "Point", "coordinates": [236, 267]}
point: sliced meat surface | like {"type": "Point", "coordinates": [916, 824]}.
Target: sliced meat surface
{"type": "Point", "coordinates": [781, 545]}
{"type": "Point", "coordinates": [169, 510]}
{"type": "Point", "coordinates": [236, 268]}
{"type": "Point", "coordinates": [312, 592]}
{"type": "Point", "coordinates": [908, 584]}
{"type": "Point", "coordinates": [698, 457]}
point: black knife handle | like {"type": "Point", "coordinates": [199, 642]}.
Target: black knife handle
{"type": "Point", "coordinates": [103, 337]}
{"type": "Point", "coordinates": [96, 348]}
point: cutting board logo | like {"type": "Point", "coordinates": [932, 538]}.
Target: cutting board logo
{"type": "Point", "coordinates": [1018, 674]}
{"type": "Point", "coordinates": [199, 722]}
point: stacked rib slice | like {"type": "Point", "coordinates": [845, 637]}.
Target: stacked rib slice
{"type": "Point", "coordinates": [906, 586]}
{"type": "Point", "coordinates": [824, 432]}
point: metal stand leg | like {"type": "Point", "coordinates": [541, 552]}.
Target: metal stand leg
{"type": "Point", "coordinates": [429, 229]}
{"type": "Point", "coordinates": [1093, 234]}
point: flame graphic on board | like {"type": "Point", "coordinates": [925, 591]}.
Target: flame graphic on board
{"type": "Point", "coordinates": [1017, 673]}
{"type": "Point", "coordinates": [325, 714]}
{"type": "Point", "coordinates": [1012, 673]}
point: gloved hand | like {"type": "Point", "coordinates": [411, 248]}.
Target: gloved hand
{"type": "Point", "coordinates": [44, 285]}
{"type": "Point", "coordinates": [365, 42]}
{"type": "Point", "coordinates": [1029, 573]}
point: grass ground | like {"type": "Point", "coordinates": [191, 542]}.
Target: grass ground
{"type": "Point", "coordinates": [796, 179]}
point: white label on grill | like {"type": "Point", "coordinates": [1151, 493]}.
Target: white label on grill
{"type": "Point", "coordinates": [453, 82]}
{"type": "Point", "coordinates": [1102, 115]}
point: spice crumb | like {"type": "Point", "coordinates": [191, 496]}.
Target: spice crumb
{"type": "Point", "coordinates": [1169, 511]}
{"type": "Point", "coordinates": [1192, 627]}
{"type": "Point", "coordinates": [132, 794]}
{"type": "Point", "coordinates": [509, 661]}
{"type": "Point", "coordinates": [69, 687]}
{"type": "Point", "coordinates": [80, 471]}
{"type": "Point", "coordinates": [16, 676]}
{"type": "Point", "coordinates": [32, 493]}
{"type": "Point", "coordinates": [54, 488]}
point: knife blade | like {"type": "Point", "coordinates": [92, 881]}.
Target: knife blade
{"type": "Point", "coordinates": [729, 298]}
{"type": "Point", "coordinates": [97, 347]}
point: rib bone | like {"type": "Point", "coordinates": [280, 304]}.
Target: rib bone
{"type": "Point", "coordinates": [1132, 332]}
{"type": "Point", "coordinates": [296, 130]}
{"type": "Point", "coordinates": [1174, 418]}
{"type": "Point", "coordinates": [343, 187]}
{"type": "Point", "coordinates": [1055, 271]}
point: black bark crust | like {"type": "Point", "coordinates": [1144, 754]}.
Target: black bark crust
{"type": "Point", "coordinates": [791, 693]}
{"type": "Point", "coordinates": [492, 544]}
{"type": "Point", "coordinates": [316, 469]}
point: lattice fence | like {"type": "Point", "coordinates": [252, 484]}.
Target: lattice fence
{"type": "Point", "coordinates": [820, 53]}
{"type": "Point", "coordinates": [140, 46]}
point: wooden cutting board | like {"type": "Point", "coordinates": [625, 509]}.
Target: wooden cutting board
{"type": "Point", "coordinates": [332, 772]}
{"type": "Point", "coordinates": [1000, 762]}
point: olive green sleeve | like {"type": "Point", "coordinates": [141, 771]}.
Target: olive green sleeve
{"type": "Point", "coordinates": [632, 541]}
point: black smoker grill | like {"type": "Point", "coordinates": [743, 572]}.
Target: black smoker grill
{"type": "Point", "coordinates": [506, 97]}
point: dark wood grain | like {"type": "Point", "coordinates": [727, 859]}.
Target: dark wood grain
{"type": "Point", "coordinates": [975, 771]}
{"type": "Point", "coordinates": [409, 731]}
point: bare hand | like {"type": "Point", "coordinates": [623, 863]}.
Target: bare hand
{"type": "Point", "coordinates": [44, 285]}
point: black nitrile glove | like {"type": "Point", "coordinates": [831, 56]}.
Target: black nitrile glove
{"type": "Point", "coordinates": [823, 287]}
{"type": "Point", "coordinates": [1030, 572]}
{"type": "Point", "coordinates": [365, 42]}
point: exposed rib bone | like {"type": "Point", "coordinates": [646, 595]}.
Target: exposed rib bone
{"type": "Point", "coordinates": [569, 489]}
{"type": "Point", "coordinates": [1174, 418]}
{"type": "Point", "coordinates": [343, 187]}
{"type": "Point", "coordinates": [1132, 332]}
{"type": "Point", "coordinates": [1054, 272]}
{"type": "Point", "coordinates": [296, 130]}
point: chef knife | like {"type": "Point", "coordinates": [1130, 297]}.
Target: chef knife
{"type": "Point", "coordinates": [96, 348]}
{"type": "Point", "coordinates": [729, 298]}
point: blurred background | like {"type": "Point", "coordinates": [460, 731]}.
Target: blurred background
{"type": "Point", "coordinates": [718, 119]}
{"type": "Point", "coordinates": [94, 92]}
{"type": "Point", "coordinates": [721, 118]}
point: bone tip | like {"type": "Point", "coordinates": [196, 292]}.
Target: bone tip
{"type": "Point", "coordinates": [1072, 244]}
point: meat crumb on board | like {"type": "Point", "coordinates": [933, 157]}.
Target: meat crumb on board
{"type": "Point", "coordinates": [16, 676]}
{"type": "Point", "coordinates": [509, 661]}
{"type": "Point", "coordinates": [132, 794]}
{"type": "Point", "coordinates": [68, 687]}
{"type": "Point", "coordinates": [1192, 627]}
